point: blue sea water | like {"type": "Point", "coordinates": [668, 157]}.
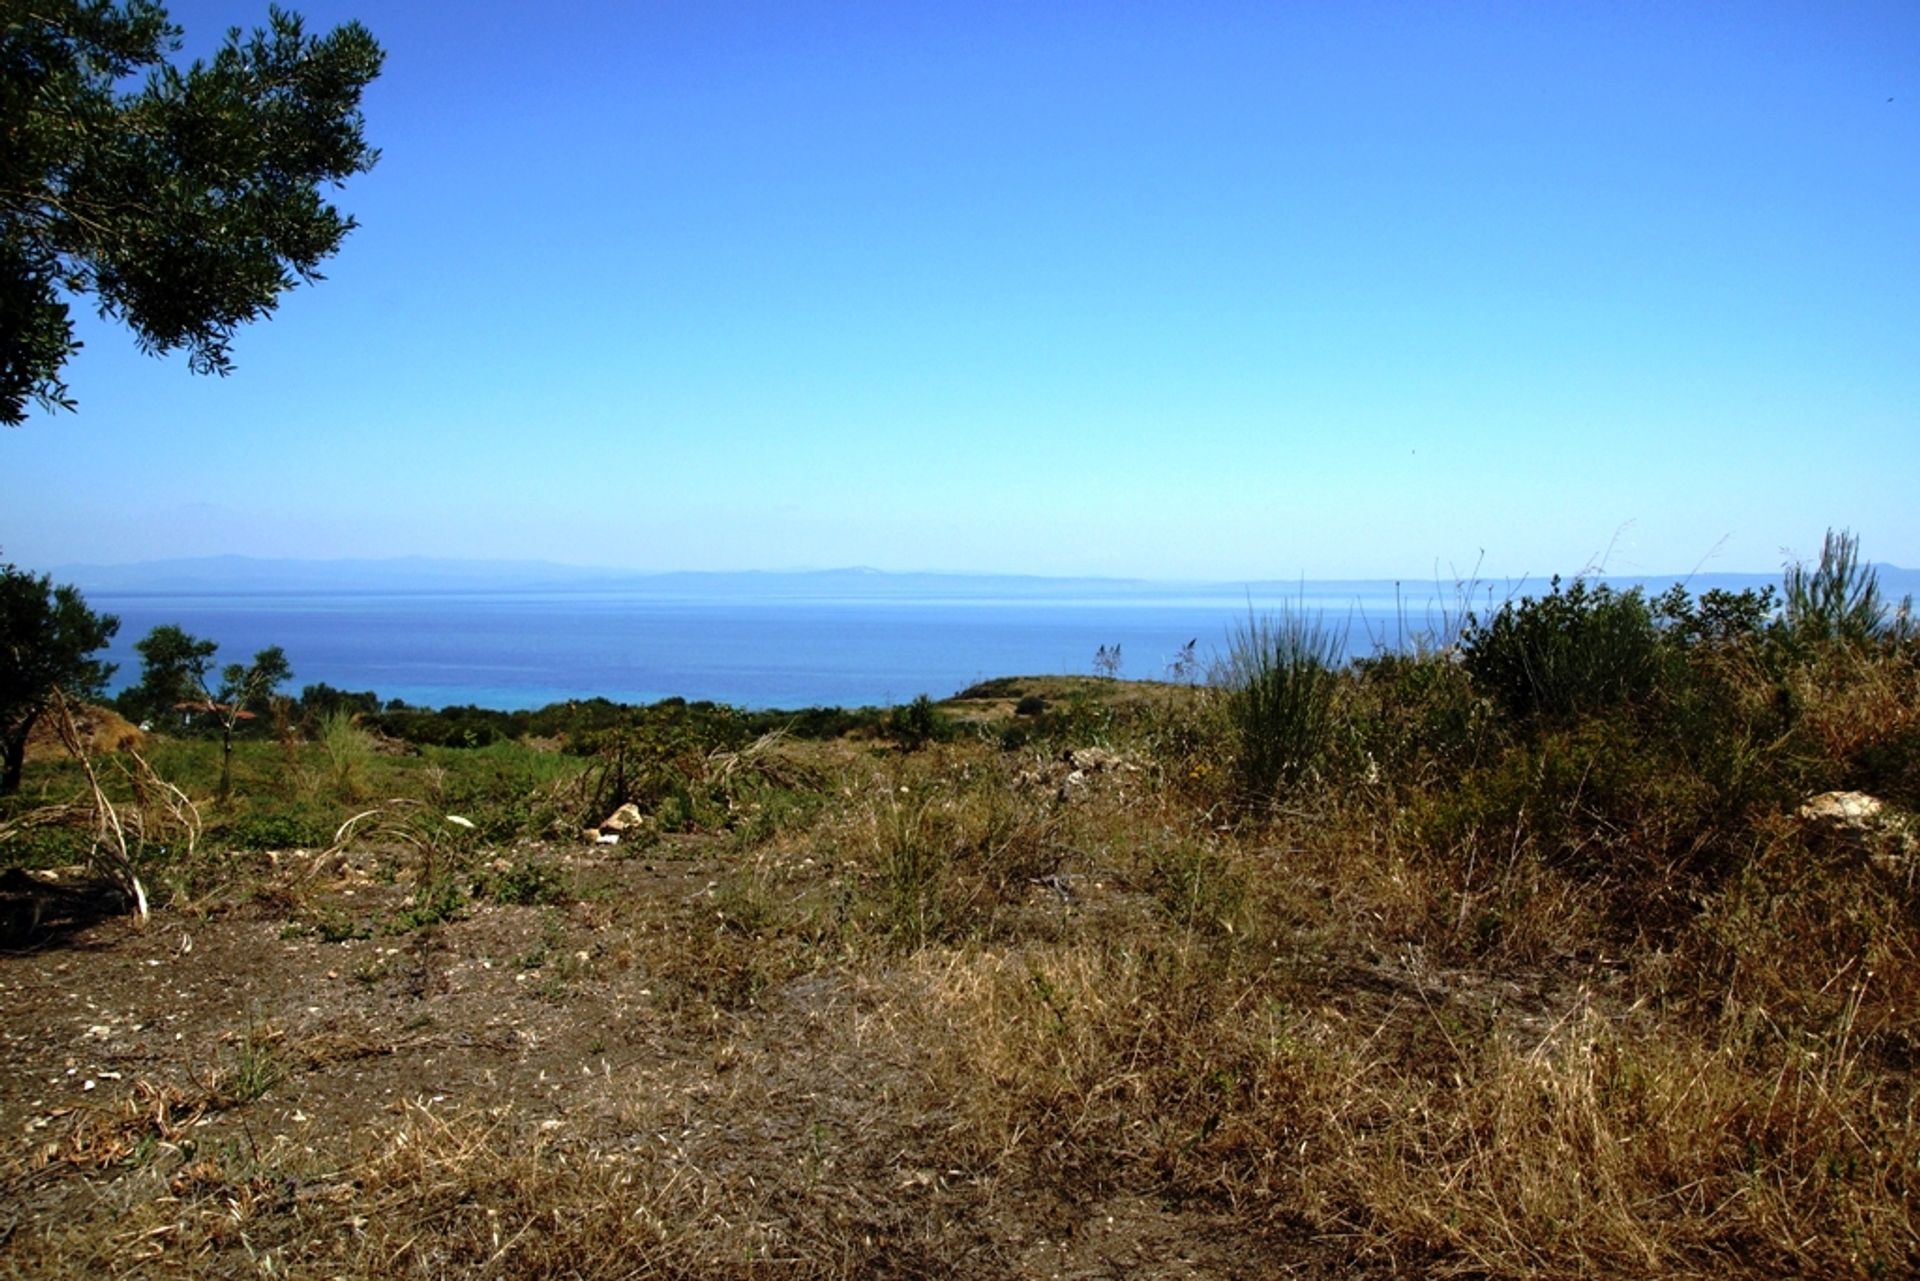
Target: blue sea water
{"type": "Point", "coordinates": [527, 649]}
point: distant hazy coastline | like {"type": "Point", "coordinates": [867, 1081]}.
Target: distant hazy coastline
{"type": "Point", "coordinates": [217, 574]}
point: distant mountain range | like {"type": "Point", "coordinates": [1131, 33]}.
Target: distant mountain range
{"type": "Point", "coordinates": [418, 574]}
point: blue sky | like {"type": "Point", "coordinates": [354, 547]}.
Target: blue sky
{"type": "Point", "coordinates": [1195, 291]}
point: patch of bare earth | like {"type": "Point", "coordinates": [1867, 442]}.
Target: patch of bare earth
{"type": "Point", "coordinates": [612, 1085]}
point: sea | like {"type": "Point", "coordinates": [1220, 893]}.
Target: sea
{"type": "Point", "coordinates": [526, 649]}
{"type": "Point", "coordinates": [512, 635]}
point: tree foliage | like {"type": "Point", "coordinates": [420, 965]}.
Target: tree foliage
{"type": "Point", "coordinates": [173, 671]}
{"type": "Point", "coordinates": [244, 693]}
{"type": "Point", "coordinates": [248, 687]}
{"type": "Point", "coordinates": [47, 639]}
{"type": "Point", "coordinates": [186, 207]}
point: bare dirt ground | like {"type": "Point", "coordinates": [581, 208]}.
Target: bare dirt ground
{"type": "Point", "coordinates": [218, 1093]}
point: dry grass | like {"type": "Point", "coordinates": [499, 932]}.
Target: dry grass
{"type": "Point", "coordinates": [987, 1010]}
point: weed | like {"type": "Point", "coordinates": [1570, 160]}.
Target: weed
{"type": "Point", "coordinates": [526, 883]}
{"type": "Point", "coordinates": [257, 1065]}
{"type": "Point", "coordinates": [349, 749]}
{"type": "Point", "coordinates": [433, 902]}
{"type": "Point", "coordinates": [913, 868]}
{"type": "Point", "coordinates": [334, 926]}
{"type": "Point", "coordinates": [1280, 677]}
{"type": "Point", "coordinates": [1200, 888]}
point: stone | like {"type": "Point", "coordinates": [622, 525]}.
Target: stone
{"type": "Point", "coordinates": [1883, 834]}
{"type": "Point", "coordinates": [1092, 759]}
{"type": "Point", "coordinates": [1844, 809]}
{"type": "Point", "coordinates": [628, 816]}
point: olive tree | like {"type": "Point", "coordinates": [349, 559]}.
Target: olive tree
{"type": "Point", "coordinates": [185, 207]}
{"type": "Point", "coordinates": [244, 693]}
{"type": "Point", "coordinates": [47, 639]}
{"type": "Point", "coordinates": [175, 667]}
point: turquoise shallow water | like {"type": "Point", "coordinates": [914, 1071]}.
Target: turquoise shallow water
{"type": "Point", "coordinates": [527, 649]}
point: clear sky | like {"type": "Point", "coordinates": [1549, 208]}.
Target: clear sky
{"type": "Point", "coordinates": [1183, 290]}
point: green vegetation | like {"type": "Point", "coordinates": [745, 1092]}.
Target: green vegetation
{"type": "Point", "coordinates": [1573, 652]}
{"type": "Point", "coordinates": [48, 638]}
{"type": "Point", "coordinates": [1524, 956]}
{"type": "Point", "coordinates": [187, 206]}
{"type": "Point", "coordinates": [173, 688]}
{"type": "Point", "coordinates": [1280, 681]}
{"type": "Point", "coordinates": [1837, 599]}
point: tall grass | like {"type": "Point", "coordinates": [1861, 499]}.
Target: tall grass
{"type": "Point", "coordinates": [914, 865]}
{"type": "Point", "coordinates": [348, 748]}
{"type": "Point", "coordinates": [1280, 676]}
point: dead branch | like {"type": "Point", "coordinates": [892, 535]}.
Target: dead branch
{"type": "Point", "coordinates": [109, 851]}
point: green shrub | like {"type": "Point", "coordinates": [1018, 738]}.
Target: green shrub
{"type": "Point", "coordinates": [437, 900]}
{"type": "Point", "coordinates": [1419, 720]}
{"type": "Point", "coordinates": [1580, 648]}
{"type": "Point", "coordinates": [918, 723]}
{"type": "Point", "coordinates": [660, 761]}
{"type": "Point", "coordinates": [1715, 619]}
{"type": "Point", "coordinates": [1280, 678]}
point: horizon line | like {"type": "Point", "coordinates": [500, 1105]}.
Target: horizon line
{"type": "Point", "coordinates": [429, 563]}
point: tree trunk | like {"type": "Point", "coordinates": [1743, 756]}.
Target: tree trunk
{"type": "Point", "coordinates": [14, 752]}
{"type": "Point", "coordinates": [226, 761]}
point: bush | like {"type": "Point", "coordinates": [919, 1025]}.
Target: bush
{"type": "Point", "coordinates": [919, 723]}
{"type": "Point", "coordinates": [1280, 678]}
{"type": "Point", "coordinates": [1717, 619]}
{"type": "Point", "coordinates": [1579, 649]}
{"type": "Point", "coordinates": [321, 701]}
{"type": "Point", "coordinates": [658, 763]}
{"type": "Point", "coordinates": [1419, 720]}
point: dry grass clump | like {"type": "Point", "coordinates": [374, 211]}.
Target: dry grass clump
{"type": "Point", "coordinates": [1616, 1149]}
{"type": "Point", "coordinates": [1148, 1068]}
{"type": "Point", "coordinates": [1858, 719]}
{"type": "Point", "coordinates": [1422, 1132]}
{"type": "Point", "coordinates": [1820, 926]}
{"type": "Point", "coordinates": [430, 1195]}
